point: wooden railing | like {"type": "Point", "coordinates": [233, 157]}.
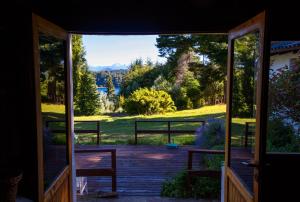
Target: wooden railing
{"type": "Point", "coordinates": [100, 171]}
{"type": "Point", "coordinates": [204, 172]}
{"type": "Point", "coordinates": [248, 133]}
{"type": "Point", "coordinates": [169, 131]}
{"type": "Point", "coordinates": [96, 131]}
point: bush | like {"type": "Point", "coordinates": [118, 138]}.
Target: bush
{"type": "Point", "coordinates": [182, 101]}
{"type": "Point", "coordinates": [212, 137]}
{"type": "Point", "coordinates": [214, 162]}
{"type": "Point", "coordinates": [106, 105]}
{"type": "Point", "coordinates": [202, 187]}
{"type": "Point", "coordinates": [212, 134]}
{"type": "Point", "coordinates": [281, 137]}
{"type": "Point", "coordinates": [176, 187]}
{"type": "Point", "coordinates": [149, 101]}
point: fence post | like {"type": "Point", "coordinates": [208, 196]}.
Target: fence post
{"type": "Point", "coordinates": [98, 132]}
{"type": "Point", "coordinates": [135, 132]}
{"type": "Point", "coordinates": [246, 134]}
{"type": "Point", "coordinates": [169, 132]}
{"type": "Point", "coordinates": [114, 167]}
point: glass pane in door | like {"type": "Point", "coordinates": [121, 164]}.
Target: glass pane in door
{"type": "Point", "coordinates": [243, 107]}
{"type": "Point", "coordinates": [53, 105]}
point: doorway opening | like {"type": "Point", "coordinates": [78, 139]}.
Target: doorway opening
{"type": "Point", "coordinates": [153, 98]}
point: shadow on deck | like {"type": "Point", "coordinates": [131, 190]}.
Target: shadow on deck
{"type": "Point", "coordinates": [141, 169]}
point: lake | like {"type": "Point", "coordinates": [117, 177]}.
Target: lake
{"type": "Point", "coordinates": [104, 90]}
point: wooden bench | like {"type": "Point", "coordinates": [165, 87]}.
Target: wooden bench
{"type": "Point", "coordinates": [203, 172]}
{"type": "Point", "coordinates": [86, 172]}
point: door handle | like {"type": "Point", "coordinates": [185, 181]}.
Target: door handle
{"type": "Point", "coordinates": [250, 164]}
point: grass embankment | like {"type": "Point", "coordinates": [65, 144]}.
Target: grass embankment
{"type": "Point", "coordinates": [119, 128]}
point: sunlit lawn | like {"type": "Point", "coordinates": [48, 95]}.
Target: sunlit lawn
{"type": "Point", "coordinates": [119, 129]}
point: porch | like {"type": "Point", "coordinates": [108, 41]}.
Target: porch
{"type": "Point", "coordinates": [141, 169]}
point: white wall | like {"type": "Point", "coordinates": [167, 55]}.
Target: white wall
{"type": "Point", "coordinates": [280, 60]}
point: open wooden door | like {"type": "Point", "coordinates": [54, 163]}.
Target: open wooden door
{"type": "Point", "coordinates": [245, 110]}
{"type": "Point", "coordinates": [53, 87]}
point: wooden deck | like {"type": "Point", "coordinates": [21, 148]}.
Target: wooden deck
{"type": "Point", "coordinates": [141, 169]}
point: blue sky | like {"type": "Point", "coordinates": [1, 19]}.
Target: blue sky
{"type": "Point", "coordinates": [107, 50]}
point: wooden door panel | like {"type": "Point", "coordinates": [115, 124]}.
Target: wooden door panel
{"type": "Point", "coordinates": [54, 159]}
{"type": "Point", "coordinates": [234, 194]}
{"type": "Point", "coordinates": [236, 191]}
{"type": "Point", "coordinates": [59, 191]}
{"type": "Point", "coordinates": [242, 163]}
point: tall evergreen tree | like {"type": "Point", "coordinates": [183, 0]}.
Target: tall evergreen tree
{"type": "Point", "coordinates": [78, 61]}
{"type": "Point", "coordinates": [88, 98]}
{"type": "Point", "coordinates": [110, 87]}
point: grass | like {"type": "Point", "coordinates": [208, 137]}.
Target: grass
{"type": "Point", "coordinates": [119, 129]}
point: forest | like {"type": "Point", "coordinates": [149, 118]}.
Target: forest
{"type": "Point", "coordinates": [193, 75]}
{"type": "Point", "coordinates": [117, 77]}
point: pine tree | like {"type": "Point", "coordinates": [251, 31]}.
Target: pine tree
{"type": "Point", "coordinates": [88, 97]}
{"type": "Point", "coordinates": [110, 87]}
{"type": "Point", "coordinates": [79, 62]}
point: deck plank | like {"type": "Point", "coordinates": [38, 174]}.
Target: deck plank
{"type": "Point", "coordinates": [141, 169]}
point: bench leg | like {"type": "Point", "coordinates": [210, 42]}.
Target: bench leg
{"type": "Point", "coordinates": [114, 183]}
{"type": "Point", "coordinates": [189, 184]}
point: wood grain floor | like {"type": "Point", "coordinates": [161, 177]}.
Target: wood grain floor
{"type": "Point", "coordinates": [141, 169]}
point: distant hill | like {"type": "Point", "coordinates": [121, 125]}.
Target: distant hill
{"type": "Point", "coordinates": [113, 67]}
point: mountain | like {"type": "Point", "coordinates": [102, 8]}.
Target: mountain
{"type": "Point", "coordinates": [113, 67]}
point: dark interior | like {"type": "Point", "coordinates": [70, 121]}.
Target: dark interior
{"type": "Point", "coordinates": [18, 130]}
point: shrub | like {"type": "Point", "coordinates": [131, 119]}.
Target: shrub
{"type": "Point", "coordinates": [213, 137]}
{"type": "Point", "coordinates": [214, 162]}
{"type": "Point", "coordinates": [212, 134]}
{"type": "Point", "coordinates": [176, 187]}
{"type": "Point", "coordinates": [106, 105]}
{"type": "Point", "coordinates": [202, 187]}
{"type": "Point", "coordinates": [281, 137]}
{"type": "Point", "coordinates": [149, 101]}
{"type": "Point", "coordinates": [182, 101]}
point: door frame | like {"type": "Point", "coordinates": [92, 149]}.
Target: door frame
{"type": "Point", "coordinates": [257, 23]}
{"type": "Point", "coordinates": [41, 25]}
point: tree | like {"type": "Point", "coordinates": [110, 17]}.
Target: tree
{"type": "Point", "coordinates": [139, 75]}
{"type": "Point", "coordinates": [78, 61]}
{"type": "Point", "coordinates": [160, 83]}
{"type": "Point", "coordinates": [212, 48]}
{"type": "Point", "coordinates": [110, 87]}
{"type": "Point", "coordinates": [284, 94]}
{"type": "Point", "coordinates": [52, 70]}
{"type": "Point", "coordinates": [85, 92]}
{"type": "Point", "coordinates": [244, 78]}
{"type": "Point", "coordinates": [188, 94]}
{"type": "Point", "coordinates": [88, 97]}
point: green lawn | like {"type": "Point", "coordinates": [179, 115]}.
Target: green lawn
{"type": "Point", "coordinates": [119, 129]}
